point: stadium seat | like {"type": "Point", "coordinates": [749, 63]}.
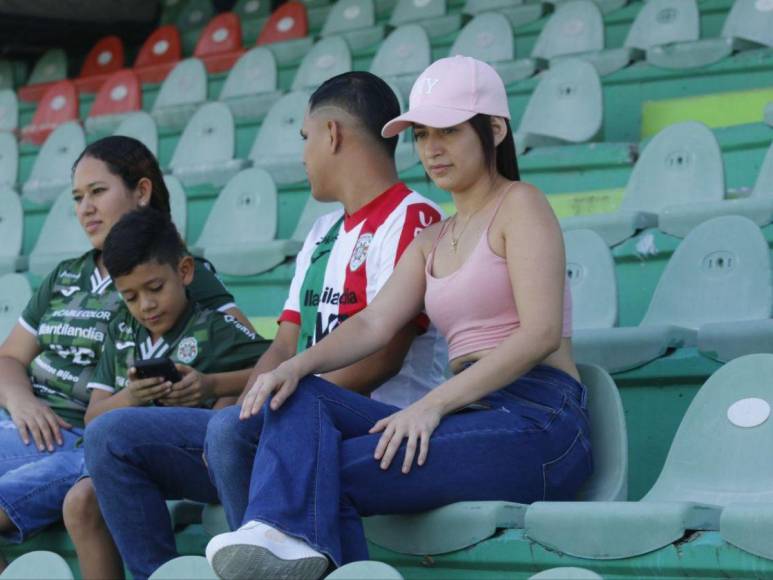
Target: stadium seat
{"type": "Point", "coordinates": [220, 44]}
{"type": "Point", "coordinates": [565, 107]}
{"type": "Point", "coordinates": [49, 69]}
{"type": "Point", "coordinates": [431, 14]}
{"type": "Point", "coordinates": [213, 520]}
{"type": "Point", "coordinates": [58, 105]}
{"type": "Point", "coordinates": [184, 512]}
{"type": "Point", "coordinates": [15, 292]}
{"type": "Point", "coordinates": [6, 74]}
{"type": "Point", "coordinates": [719, 275]}
{"type": "Point", "coordinates": [355, 21]}
{"type": "Point", "coordinates": [566, 573]}
{"type": "Point", "coordinates": [489, 37]}
{"type": "Point", "coordinates": [575, 29]}
{"type": "Point", "coordinates": [278, 147]}
{"type": "Point", "coordinates": [251, 87]}
{"type": "Point", "coordinates": [749, 24]}
{"type": "Point", "coordinates": [606, 6]}
{"type": "Point", "coordinates": [678, 220]}
{"type": "Point", "coordinates": [36, 565]}
{"type": "Point", "coordinates": [769, 114]}
{"type": "Point", "coordinates": [11, 229]}
{"type": "Point", "coordinates": [119, 96]}
{"type": "Point", "coordinates": [185, 567]}
{"type": "Point", "coordinates": [406, 155]}
{"type": "Point", "coordinates": [181, 94]}
{"type": "Point", "coordinates": [718, 457]}
{"type": "Point", "coordinates": [680, 165]}
{"type": "Point", "coordinates": [748, 526]}
{"type": "Point", "coordinates": [9, 160]}
{"type": "Point", "coordinates": [170, 10]}
{"type": "Point", "coordinates": [205, 151]}
{"type": "Point", "coordinates": [178, 203]}
{"type": "Point", "coordinates": [365, 569]}
{"type": "Point", "coordinates": [250, 9]}
{"type": "Point", "coordinates": [460, 525]}
{"type": "Point", "coordinates": [328, 58]}
{"type": "Point", "coordinates": [519, 14]}
{"type": "Point", "coordinates": [105, 58]}
{"type": "Point", "coordinates": [158, 55]}
{"type": "Point", "coordinates": [61, 237]}
{"type": "Point", "coordinates": [194, 15]}
{"type": "Point", "coordinates": [590, 270]}
{"type": "Point", "coordinates": [9, 110]}
{"type": "Point", "coordinates": [140, 126]}
{"type": "Point", "coordinates": [53, 164]}
{"type": "Point", "coordinates": [402, 57]}
{"type": "Point", "coordinates": [287, 33]}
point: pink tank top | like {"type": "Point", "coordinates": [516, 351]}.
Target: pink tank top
{"type": "Point", "coordinates": [473, 307]}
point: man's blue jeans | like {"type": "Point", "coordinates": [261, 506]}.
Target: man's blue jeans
{"type": "Point", "coordinates": [314, 473]}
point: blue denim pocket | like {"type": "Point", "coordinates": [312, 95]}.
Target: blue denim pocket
{"type": "Point", "coordinates": [567, 472]}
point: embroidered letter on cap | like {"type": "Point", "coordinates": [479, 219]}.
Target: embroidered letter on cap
{"type": "Point", "coordinates": [429, 84]}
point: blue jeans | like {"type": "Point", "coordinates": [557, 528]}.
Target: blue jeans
{"type": "Point", "coordinates": [33, 483]}
{"type": "Point", "coordinates": [139, 457]}
{"type": "Point", "coordinates": [314, 474]}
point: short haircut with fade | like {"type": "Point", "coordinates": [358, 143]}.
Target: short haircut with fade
{"type": "Point", "coordinates": [364, 96]}
{"type": "Point", "coordinates": [139, 237]}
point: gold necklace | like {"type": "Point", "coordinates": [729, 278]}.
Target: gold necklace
{"type": "Point", "coordinates": [455, 240]}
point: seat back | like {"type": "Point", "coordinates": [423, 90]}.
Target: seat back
{"type": "Point", "coordinates": [721, 451]}
{"type": "Point", "coordinates": [663, 22]}
{"type": "Point", "coordinates": [208, 137]}
{"type": "Point", "coordinates": [407, 11]}
{"type": "Point", "coordinates": [195, 14]}
{"type": "Point", "coordinates": [244, 214]}
{"type": "Point", "coordinates": [347, 15]}
{"type": "Point", "coordinates": [312, 211]}
{"type": "Point", "coordinates": [327, 58]}
{"type": "Point", "coordinates": [487, 37]}
{"type": "Point", "coordinates": [222, 34]}
{"type": "Point", "coordinates": [9, 160]}
{"type": "Point", "coordinates": [55, 159]}
{"type": "Point", "coordinates": [720, 273]}
{"type": "Point", "coordinates": [141, 126]}
{"type": "Point", "coordinates": [105, 57]}
{"type": "Point", "coordinates": [11, 224]}
{"type": "Point", "coordinates": [365, 569]}
{"type": "Point", "coordinates": [590, 271]}
{"type": "Point", "coordinates": [255, 72]}
{"type": "Point", "coordinates": [250, 9]}
{"type": "Point", "coordinates": [187, 83]}
{"type": "Point", "coordinates": [609, 438]}
{"type": "Point", "coordinates": [405, 51]}
{"type": "Point", "coordinates": [178, 203]}
{"type": "Point", "coordinates": [9, 110]}
{"type": "Point", "coordinates": [36, 565]}
{"type": "Point", "coordinates": [750, 20]}
{"type": "Point", "coordinates": [161, 47]}
{"type": "Point", "coordinates": [15, 292]}
{"type": "Point", "coordinates": [120, 93]}
{"type": "Point", "coordinates": [681, 164]}
{"type": "Point", "coordinates": [6, 74]}
{"type": "Point", "coordinates": [289, 21]}
{"type": "Point", "coordinates": [763, 187]}
{"type": "Point", "coordinates": [50, 67]}
{"type": "Point", "coordinates": [58, 105]}
{"type": "Point", "coordinates": [566, 573]}
{"type": "Point", "coordinates": [576, 26]}
{"type": "Point", "coordinates": [279, 133]}
{"type": "Point", "coordinates": [189, 567]}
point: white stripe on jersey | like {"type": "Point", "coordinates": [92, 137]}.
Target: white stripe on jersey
{"type": "Point", "coordinates": [149, 350]}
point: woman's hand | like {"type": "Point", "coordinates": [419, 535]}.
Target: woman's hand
{"type": "Point", "coordinates": [193, 390]}
{"type": "Point", "coordinates": [34, 418]}
{"type": "Point", "coordinates": [145, 391]}
{"type": "Point", "coordinates": [416, 423]}
{"type": "Point", "coordinates": [283, 381]}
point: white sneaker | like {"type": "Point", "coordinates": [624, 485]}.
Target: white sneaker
{"type": "Point", "coordinates": [257, 550]}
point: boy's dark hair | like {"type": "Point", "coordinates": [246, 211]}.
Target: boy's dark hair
{"type": "Point", "coordinates": [130, 160]}
{"type": "Point", "coordinates": [364, 96]}
{"type": "Point", "coordinates": [141, 236]}
{"type": "Point", "coordinates": [501, 157]}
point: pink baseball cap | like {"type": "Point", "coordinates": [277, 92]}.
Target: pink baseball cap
{"type": "Point", "coordinates": [451, 91]}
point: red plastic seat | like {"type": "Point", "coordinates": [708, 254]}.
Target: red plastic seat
{"type": "Point", "coordinates": [105, 58]}
{"type": "Point", "coordinates": [288, 22]}
{"type": "Point", "coordinates": [121, 93]}
{"type": "Point", "coordinates": [159, 54]}
{"type": "Point", "coordinates": [220, 43]}
{"type": "Point", "coordinates": [58, 105]}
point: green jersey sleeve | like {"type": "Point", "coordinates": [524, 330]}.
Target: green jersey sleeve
{"type": "Point", "coordinates": [208, 290]}
{"type": "Point", "coordinates": [104, 377]}
{"type": "Point", "coordinates": [235, 347]}
{"type": "Point", "coordinates": [39, 303]}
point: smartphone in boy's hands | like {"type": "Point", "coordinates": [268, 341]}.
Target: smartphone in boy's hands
{"type": "Point", "coordinates": [158, 367]}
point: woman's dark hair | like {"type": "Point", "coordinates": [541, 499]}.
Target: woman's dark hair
{"type": "Point", "coordinates": [130, 160]}
{"type": "Point", "coordinates": [502, 156]}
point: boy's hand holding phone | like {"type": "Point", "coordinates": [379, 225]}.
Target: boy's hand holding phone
{"type": "Point", "coordinates": [145, 391]}
{"type": "Point", "coordinates": [193, 390]}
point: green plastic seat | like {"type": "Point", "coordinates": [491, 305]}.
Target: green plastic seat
{"type": "Point", "coordinates": [565, 107]}
{"type": "Point", "coordinates": [9, 160]}
{"type": "Point", "coordinates": [366, 570]}
{"type": "Point", "coordinates": [251, 9]}
{"type": "Point", "coordinates": [460, 525]}
{"type": "Point", "coordinates": [15, 292]}
{"type": "Point", "coordinates": [748, 25]}
{"type": "Point", "coordinates": [355, 21]}
{"type": "Point", "coordinates": [590, 271]}
{"type": "Point", "coordinates": [679, 171]}
{"type": "Point", "coordinates": [489, 37]}
{"type": "Point", "coordinates": [251, 86]}
{"type": "Point", "coordinates": [205, 152]}
{"type": "Point", "coordinates": [181, 94]}
{"type": "Point", "coordinates": [53, 164]}
{"type": "Point", "coordinates": [50, 67]}
{"type": "Point", "coordinates": [402, 57]}
{"type": "Point", "coordinates": [327, 58]}
{"type": "Point", "coordinates": [37, 565]}
{"type": "Point", "coordinates": [11, 229]}
{"type": "Point", "coordinates": [720, 273]}
{"type": "Point", "coordinates": [194, 15]}
{"type": "Point", "coordinates": [185, 567]}
{"type": "Point", "coordinates": [178, 203]}
{"type": "Point", "coordinates": [6, 75]}
{"type": "Point", "coordinates": [278, 147]}
{"type": "Point", "coordinates": [183, 512]}
{"type": "Point", "coordinates": [9, 110]}
{"type": "Point", "coordinates": [518, 13]}
{"type": "Point", "coordinates": [431, 14]}
{"type": "Point", "coordinates": [566, 573]}
{"type": "Point", "coordinates": [61, 236]}
{"type": "Point", "coordinates": [141, 126]}
{"type": "Point", "coordinates": [718, 457]}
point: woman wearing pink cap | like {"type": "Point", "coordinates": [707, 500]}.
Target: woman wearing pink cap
{"type": "Point", "coordinates": [511, 424]}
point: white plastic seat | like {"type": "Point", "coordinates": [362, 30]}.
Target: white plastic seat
{"type": "Point", "coordinates": [183, 90]}
{"type": "Point", "coordinates": [11, 229]}
{"type": "Point", "coordinates": [327, 58]}
{"type": "Point", "coordinates": [431, 14]}
{"type": "Point", "coordinates": [251, 86]}
{"type": "Point", "coordinates": [9, 160]}
{"type": "Point", "coordinates": [15, 292]}
{"type": "Point", "coordinates": [404, 54]}
{"type": "Point", "coordinates": [37, 565]}
{"type": "Point", "coordinates": [185, 567]}
{"type": "Point", "coordinates": [178, 203]}
{"type": "Point", "coordinates": [9, 110]}
{"type": "Point", "coordinates": [141, 126]}
{"type": "Point", "coordinates": [53, 164]}
{"type": "Point", "coordinates": [590, 270]}
{"type": "Point", "coordinates": [355, 21]}
{"type": "Point", "coordinates": [518, 13]}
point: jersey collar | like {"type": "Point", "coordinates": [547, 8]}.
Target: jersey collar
{"type": "Point", "coordinates": [149, 349]}
{"type": "Point", "coordinates": [384, 202]}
